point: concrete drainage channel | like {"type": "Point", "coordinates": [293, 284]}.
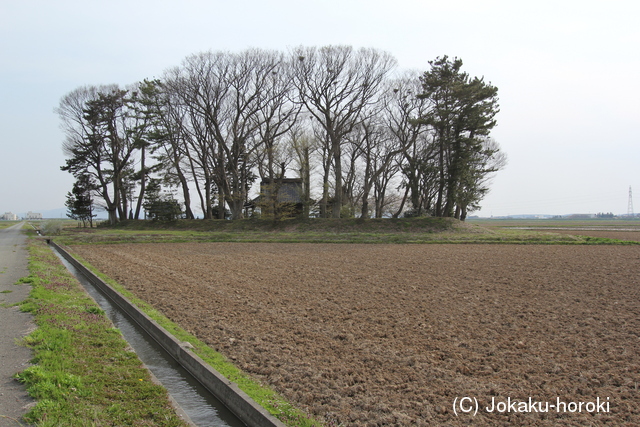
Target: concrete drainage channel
{"type": "Point", "coordinates": [205, 396]}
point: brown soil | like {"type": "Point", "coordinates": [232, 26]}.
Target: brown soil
{"type": "Point", "coordinates": [392, 334]}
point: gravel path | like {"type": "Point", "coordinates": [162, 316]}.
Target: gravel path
{"type": "Point", "coordinates": [14, 401]}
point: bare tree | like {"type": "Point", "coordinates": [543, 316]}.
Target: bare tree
{"type": "Point", "coordinates": [168, 142]}
{"type": "Point", "coordinates": [276, 116]}
{"type": "Point", "coordinates": [379, 151]}
{"type": "Point", "coordinates": [238, 107]}
{"type": "Point", "coordinates": [237, 126]}
{"type": "Point", "coordinates": [324, 154]}
{"type": "Point", "coordinates": [303, 146]}
{"type": "Point", "coordinates": [352, 188]}
{"type": "Point", "coordinates": [336, 84]}
{"type": "Point", "coordinates": [200, 86]}
{"type": "Point", "coordinates": [401, 114]}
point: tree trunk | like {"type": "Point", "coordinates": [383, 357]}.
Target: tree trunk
{"type": "Point", "coordinates": [306, 183]}
{"type": "Point", "coordinates": [221, 206]}
{"type": "Point", "coordinates": [186, 195]}
{"type": "Point", "coordinates": [325, 187]}
{"type": "Point", "coordinates": [404, 199]}
{"type": "Point", "coordinates": [441, 183]}
{"type": "Point", "coordinates": [143, 182]}
{"type": "Point", "coordinates": [337, 198]}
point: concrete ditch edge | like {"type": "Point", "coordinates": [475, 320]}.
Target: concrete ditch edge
{"type": "Point", "coordinates": [236, 400]}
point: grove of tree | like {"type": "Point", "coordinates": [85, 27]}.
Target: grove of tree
{"type": "Point", "coordinates": [364, 138]}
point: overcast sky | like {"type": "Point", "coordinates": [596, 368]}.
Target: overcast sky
{"type": "Point", "coordinates": [567, 72]}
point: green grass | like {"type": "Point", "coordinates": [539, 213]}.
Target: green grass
{"type": "Point", "coordinates": [84, 374]}
{"type": "Point", "coordinates": [559, 223]}
{"type": "Point", "coordinates": [400, 231]}
{"type": "Point", "coordinates": [7, 224]}
{"type": "Point", "coordinates": [431, 224]}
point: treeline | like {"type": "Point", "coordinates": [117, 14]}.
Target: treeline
{"type": "Point", "coordinates": [363, 139]}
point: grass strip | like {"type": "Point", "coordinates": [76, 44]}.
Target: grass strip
{"type": "Point", "coordinates": [84, 372]}
{"type": "Point", "coordinates": [396, 231]}
{"type": "Point", "coordinates": [110, 236]}
{"type": "Point", "coordinates": [260, 393]}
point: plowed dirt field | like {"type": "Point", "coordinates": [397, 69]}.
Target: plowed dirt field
{"type": "Point", "coordinates": [373, 335]}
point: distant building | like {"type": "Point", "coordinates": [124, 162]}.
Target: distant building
{"type": "Point", "coordinates": [581, 216]}
{"type": "Point", "coordinates": [8, 216]}
{"type": "Point", "coordinates": [288, 201]}
{"type": "Point", "coordinates": [33, 215]}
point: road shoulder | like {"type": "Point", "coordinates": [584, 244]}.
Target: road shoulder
{"type": "Point", "coordinates": [14, 400]}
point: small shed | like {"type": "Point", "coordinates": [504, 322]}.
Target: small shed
{"type": "Point", "coordinates": [289, 197]}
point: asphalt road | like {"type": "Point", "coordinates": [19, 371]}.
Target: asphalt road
{"type": "Point", "coordinates": [14, 401]}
